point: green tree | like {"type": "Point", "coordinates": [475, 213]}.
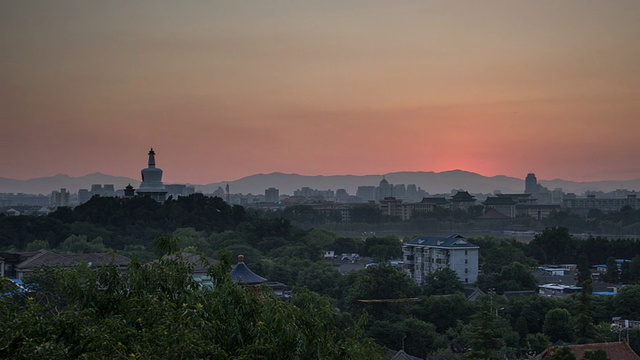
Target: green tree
{"type": "Point", "coordinates": [627, 302]}
{"type": "Point", "coordinates": [36, 245]}
{"type": "Point", "coordinates": [79, 244]}
{"type": "Point", "coordinates": [156, 310]}
{"type": "Point", "coordinates": [584, 273]}
{"type": "Point", "coordinates": [484, 338]}
{"type": "Point", "coordinates": [320, 277]}
{"type": "Point", "coordinates": [585, 330]}
{"type": "Point", "coordinates": [562, 353]}
{"type": "Point", "coordinates": [417, 337]}
{"type": "Point", "coordinates": [444, 311]}
{"type": "Point", "coordinates": [514, 277]}
{"type": "Point", "coordinates": [382, 282]}
{"type": "Point", "coordinates": [634, 270]}
{"type": "Point", "coordinates": [556, 245]}
{"type": "Point", "coordinates": [537, 342]}
{"type": "Point", "coordinates": [558, 325]}
{"type": "Point", "coordinates": [443, 282]}
{"type": "Point", "coordinates": [612, 274]}
{"type": "Point", "coordinates": [383, 248]}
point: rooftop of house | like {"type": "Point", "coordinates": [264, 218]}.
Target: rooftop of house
{"type": "Point", "coordinates": [499, 201]}
{"type": "Point", "coordinates": [452, 241]}
{"type": "Point", "coordinates": [48, 258]}
{"type": "Point", "coordinates": [615, 350]}
{"type": "Point", "coordinates": [463, 196]}
{"type": "Point", "coordinates": [435, 200]}
{"type": "Point", "coordinates": [493, 214]}
{"type": "Point", "coordinates": [242, 275]}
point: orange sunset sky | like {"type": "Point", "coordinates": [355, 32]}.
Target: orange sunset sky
{"type": "Point", "coordinates": [226, 89]}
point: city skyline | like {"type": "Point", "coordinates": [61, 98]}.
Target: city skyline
{"type": "Point", "coordinates": [225, 90]}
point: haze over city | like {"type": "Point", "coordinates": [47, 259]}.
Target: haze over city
{"type": "Point", "coordinates": [227, 89]}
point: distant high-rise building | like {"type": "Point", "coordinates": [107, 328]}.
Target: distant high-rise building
{"type": "Point", "coordinates": [399, 191]}
{"type": "Point", "coordinates": [384, 190]}
{"type": "Point", "coordinates": [83, 196]}
{"type": "Point", "coordinates": [366, 193]}
{"type": "Point", "coordinates": [342, 195]}
{"type": "Point", "coordinates": [60, 198]}
{"type": "Point", "coordinates": [108, 190]}
{"type": "Point", "coordinates": [531, 184]}
{"type": "Point", "coordinates": [96, 189]}
{"type": "Point", "coordinates": [271, 195]}
{"type": "Point", "coordinates": [177, 190]}
{"type": "Point", "coordinates": [152, 185]}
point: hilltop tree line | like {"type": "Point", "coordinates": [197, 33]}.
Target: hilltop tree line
{"type": "Point", "coordinates": [624, 221]}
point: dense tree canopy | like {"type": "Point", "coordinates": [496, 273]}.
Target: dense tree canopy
{"type": "Point", "coordinates": [157, 310]}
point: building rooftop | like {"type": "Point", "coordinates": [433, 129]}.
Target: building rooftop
{"type": "Point", "coordinates": [242, 275]}
{"type": "Point", "coordinates": [615, 350]}
{"type": "Point", "coordinates": [452, 241]}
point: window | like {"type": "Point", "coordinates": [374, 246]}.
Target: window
{"type": "Point", "coordinates": [466, 252]}
{"type": "Point", "coordinates": [466, 271]}
{"type": "Point", "coordinates": [466, 261]}
{"type": "Point", "coordinates": [466, 280]}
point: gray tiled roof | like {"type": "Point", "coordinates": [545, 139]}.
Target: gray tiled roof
{"type": "Point", "coordinates": [48, 258]}
{"type": "Point", "coordinates": [452, 241]}
{"type": "Point", "coordinates": [242, 275]}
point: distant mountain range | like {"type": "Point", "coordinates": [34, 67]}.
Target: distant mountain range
{"type": "Point", "coordinates": [432, 182]}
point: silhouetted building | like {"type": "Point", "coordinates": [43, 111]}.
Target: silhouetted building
{"type": "Point", "coordinates": [60, 198]}
{"type": "Point", "coordinates": [271, 195]}
{"type": "Point", "coordinates": [83, 196]}
{"type": "Point", "coordinates": [384, 190]}
{"type": "Point", "coordinates": [462, 200]}
{"type": "Point", "coordinates": [108, 190]}
{"type": "Point", "coordinates": [177, 190]}
{"type": "Point", "coordinates": [502, 204]}
{"type": "Point", "coordinates": [152, 185]}
{"type": "Point", "coordinates": [96, 189]}
{"type": "Point", "coordinates": [531, 184]}
{"type": "Point", "coordinates": [366, 193]}
{"type": "Point", "coordinates": [129, 192]}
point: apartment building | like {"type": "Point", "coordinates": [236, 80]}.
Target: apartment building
{"type": "Point", "coordinates": [426, 254]}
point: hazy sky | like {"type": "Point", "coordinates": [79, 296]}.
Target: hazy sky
{"type": "Point", "coordinates": [226, 89]}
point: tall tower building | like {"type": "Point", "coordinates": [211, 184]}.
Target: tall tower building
{"type": "Point", "coordinates": [152, 185]}
{"type": "Point", "coordinates": [385, 189]}
{"type": "Point", "coordinates": [272, 195]}
{"type": "Point", "coordinates": [531, 184]}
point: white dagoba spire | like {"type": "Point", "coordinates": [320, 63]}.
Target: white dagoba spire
{"type": "Point", "coordinates": [152, 158]}
{"type": "Point", "coordinates": [152, 180]}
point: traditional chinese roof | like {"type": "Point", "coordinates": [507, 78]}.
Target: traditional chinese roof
{"type": "Point", "coordinates": [242, 275]}
{"type": "Point", "coordinates": [499, 201]}
{"type": "Point", "coordinates": [614, 350]}
{"type": "Point", "coordinates": [435, 200]}
{"type": "Point", "coordinates": [493, 214]}
{"type": "Point", "coordinates": [463, 196]}
{"type": "Point", "coordinates": [453, 241]}
{"type": "Point", "coordinates": [400, 355]}
{"type": "Point", "coordinates": [48, 258]}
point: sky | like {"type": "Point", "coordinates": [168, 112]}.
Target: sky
{"type": "Point", "coordinates": [227, 89]}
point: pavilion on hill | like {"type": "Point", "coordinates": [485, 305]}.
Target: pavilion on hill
{"type": "Point", "coordinates": [242, 275]}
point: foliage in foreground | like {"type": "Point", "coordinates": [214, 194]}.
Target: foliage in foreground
{"type": "Point", "coordinates": [156, 310]}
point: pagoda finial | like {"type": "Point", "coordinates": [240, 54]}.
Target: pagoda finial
{"type": "Point", "coordinates": [152, 158]}
{"type": "Point", "coordinates": [240, 259]}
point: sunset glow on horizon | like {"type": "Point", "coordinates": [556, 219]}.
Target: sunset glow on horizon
{"type": "Point", "coordinates": [227, 89]}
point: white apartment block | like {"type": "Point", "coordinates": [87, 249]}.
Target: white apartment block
{"type": "Point", "coordinates": [426, 254]}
